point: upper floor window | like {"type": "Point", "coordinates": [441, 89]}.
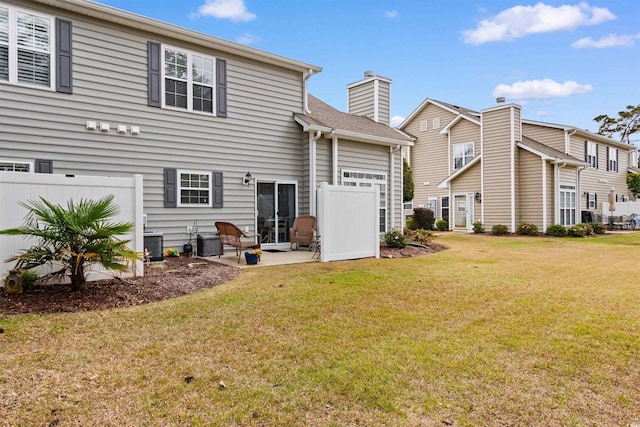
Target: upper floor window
{"type": "Point", "coordinates": [591, 154]}
{"type": "Point", "coordinates": [188, 81]}
{"type": "Point", "coordinates": [26, 47]}
{"type": "Point", "coordinates": [462, 154]}
{"type": "Point", "coordinates": [194, 188]}
{"type": "Point", "coordinates": [436, 123]}
{"type": "Point", "coordinates": [612, 159]}
{"type": "Point", "coordinates": [423, 125]}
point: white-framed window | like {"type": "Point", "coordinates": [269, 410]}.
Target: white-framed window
{"type": "Point", "coordinates": [188, 80]}
{"type": "Point", "coordinates": [26, 47]}
{"type": "Point", "coordinates": [423, 126]}
{"type": "Point", "coordinates": [368, 179]}
{"type": "Point", "coordinates": [194, 188]}
{"type": "Point", "coordinates": [436, 123]}
{"type": "Point", "coordinates": [567, 204]}
{"type": "Point", "coordinates": [462, 154]}
{"type": "Point", "coordinates": [591, 155]}
{"type": "Point", "coordinates": [11, 165]}
{"type": "Point", "coordinates": [612, 159]}
{"type": "Point", "coordinates": [592, 200]}
{"type": "Point", "coordinates": [444, 207]}
{"type": "Point", "coordinates": [408, 206]}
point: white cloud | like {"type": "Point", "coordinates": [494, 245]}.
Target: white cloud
{"type": "Point", "coordinates": [391, 14]}
{"type": "Point", "coordinates": [541, 89]}
{"type": "Point", "coordinates": [611, 40]}
{"type": "Point", "coordinates": [520, 21]}
{"type": "Point", "coordinates": [234, 10]}
{"type": "Point", "coordinates": [247, 38]}
{"type": "Point", "coordinates": [542, 114]}
{"type": "Point", "coordinates": [396, 120]}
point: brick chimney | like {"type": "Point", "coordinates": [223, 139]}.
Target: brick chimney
{"type": "Point", "coordinates": [371, 97]}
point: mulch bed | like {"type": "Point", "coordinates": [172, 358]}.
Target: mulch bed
{"type": "Point", "coordinates": [172, 278]}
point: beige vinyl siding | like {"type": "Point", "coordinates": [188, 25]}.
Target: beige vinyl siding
{"type": "Point", "coordinates": [429, 155]}
{"type": "Point", "coordinates": [110, 86]}
{"type": "Point", "coordinates": [384, 102]}
{"type": "Point", "coordinates": [551, 195]}
{"type": "Point", "coordinates": [468, 182]}
{"type": "Point", "coordinates": [496, 162]}
{"type": "Point", "coordinates": [600, 180]}
{"type": "Point", "coordinates": [530, 189]}
{"type": "Point", "coordinates": [548, 136]}
{"type": "Point", "coordinates": [464, 132]}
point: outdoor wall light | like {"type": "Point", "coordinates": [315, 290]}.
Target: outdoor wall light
{"type": "Point", "coordinates": [247, 178]}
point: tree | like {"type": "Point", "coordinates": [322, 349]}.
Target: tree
{"type": "Point", "coordinates": [627, 123]}
{"type": "Point", "coordinates": [633, 182]}
{"type": "Point", "coordinates": [74, 238]}
{"type": "Point", "coordinates": [407, 181]}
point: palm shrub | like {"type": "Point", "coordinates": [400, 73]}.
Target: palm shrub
{"type": "Point", "coordinates": [499, 230]}
{"type": "Point", "coordinates": [556, 230]}
{"type": "Point", "coordinates": [74, 237]}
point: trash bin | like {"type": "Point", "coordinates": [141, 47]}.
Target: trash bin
{"type": "Point", "coordinates": [209, 245]}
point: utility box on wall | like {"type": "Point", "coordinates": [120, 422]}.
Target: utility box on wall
{"type": "Point", "coordinates": [209, 245]}
{"type": "Point", "coordinates": [153, 244]}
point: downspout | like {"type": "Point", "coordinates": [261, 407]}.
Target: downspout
{"type": "Point", "coordinates": [567, 140]}
{"type": "Point", "coordinates": [392, 193]}
{"type": "Point", "coordinates": [305, 93]}
{"type": "Point", "coordinates": [334, 159]}
{"type": "Point", "coordinates": [579, 193]}
{"type": "Point", "coordinates": [556, 190]}
{"type": "Point", "coordinates": [312, 171]}
{"type": "Point", "coordinates": [545, 218]}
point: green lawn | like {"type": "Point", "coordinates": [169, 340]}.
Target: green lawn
{"type": "Point", "coordinates": [493, 331]}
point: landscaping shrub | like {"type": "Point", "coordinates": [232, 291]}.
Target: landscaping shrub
{"type": "Point", "coordinates": [526, 229]}
{"type": "Point", "coordinates": [499, 230]}
{"type": "Point", "coordinates": [424, 237]}
{"type": "Point", "coordinates": [556, 230]}
{"type": "Point", "coordinates": [423, 218]}
{"type": "Point", "coordinates": [29, 278]}
{"type": "Point", "coordinates": [442, 225]}
{"type": "Point", "coordinates": [597, 227]}
{"type": "Point", "coordinates": [395, 239]}
{"type": "Point", "coordinates": [411, 224]}
{"type": "Point", "coordinates": [478, 227]}
{"type": "Point", "coordinates": [580, 230]}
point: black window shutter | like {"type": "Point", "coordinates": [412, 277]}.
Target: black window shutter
{"type": "Point", "coordinates": [586, 151]}
{"type": "Point", "coordinates": [595, 197]}
{"type": "Point", "coordinates": [221, 88]}
{"type": "Point", "coordinates": [44, 166]}
{"type": "Point", "coordinates": [153, 74]}
{"type": "Point", "coordinates": [608, 158]}
{"type": "Point", "coordinates": [217, 189]}
{"type": "Point", "coordinates": [617, 159]}
{"type": "Point", "coordinates": [64, 51]}
{"type": "Point", "coordinates": [597, 156]}
{"type": "Point", "coordinates": [170, 188]}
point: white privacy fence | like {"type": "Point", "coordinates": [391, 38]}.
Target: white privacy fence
{"type": "Point", "coordinates": [622, 208]}
{"type": "Point", "coordinates": [16, 187]}
{"type": "Point", "coordinates": [348, 222]}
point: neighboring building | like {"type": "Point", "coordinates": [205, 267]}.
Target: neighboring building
{"type": "Point", "coordinates": [214, 127]}
{"type": "Point", "coordinates": [494, 167]}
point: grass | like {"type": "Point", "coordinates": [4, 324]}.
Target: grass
{"type": "Point", "coordinates": [492, 331]}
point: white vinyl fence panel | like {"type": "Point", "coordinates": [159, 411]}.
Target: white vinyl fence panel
{"type": "Point", "coordinates": [17, 187]}
{"type": "Point", "coordinates": [622, 208]}
{"type": "Point", "coordinates": [348, 222]}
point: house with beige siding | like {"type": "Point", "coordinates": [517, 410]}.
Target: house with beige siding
{"type": "Point", "coordinates": [218, 130]}
{"type": "Point", "coordinates": [495, 167]}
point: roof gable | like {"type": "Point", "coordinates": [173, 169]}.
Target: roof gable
{"type": "Point", "coordinates": [454, 109]}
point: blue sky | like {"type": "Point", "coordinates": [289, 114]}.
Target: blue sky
{"type": "Point", "coordinates": [563, 61]}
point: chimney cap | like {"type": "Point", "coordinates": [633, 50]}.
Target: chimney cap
{"type": "Point", "coordinates": [500, 100]}
{"type": "Point", "coordinates": [369, 73]}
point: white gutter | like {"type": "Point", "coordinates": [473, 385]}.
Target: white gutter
{"type": "Point", "coordinates": [513, 171]}
{"type": "Point", "coordinates": [312, 172]}
{"type": "Point", "coordinates": [392, 195]}
{"type": "Point", "coordinates": [545, 219]}
{"type": "Point", "coordinates": [567, 139]}
{"type": "Point", "coordinates": [557, 165]}
{"type": "Point", "coordinates": [334, 157]}
{"type": "Point", "coordinates": [305, 92]}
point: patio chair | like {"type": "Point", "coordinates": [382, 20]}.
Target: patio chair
{"type": "Point", "coordinates": [302, 230]}
{"type": "Point", "coordinates": [230, 235]}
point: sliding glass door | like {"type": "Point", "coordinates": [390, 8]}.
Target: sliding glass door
{"type": "Point", "coordinates": [277, 207]}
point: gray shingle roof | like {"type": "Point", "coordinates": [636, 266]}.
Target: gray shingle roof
{"type": "Point", "coordinates": [551, 152]}
{"type": "Point", "coordinates": [324, 115]}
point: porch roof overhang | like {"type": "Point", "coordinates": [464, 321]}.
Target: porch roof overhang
{"type": "Point", "coordinates": [329, 132]}
{"type": "Point", "coordinates": [445, 183]}
{"type": "Point", "coordinates": [549, 154]}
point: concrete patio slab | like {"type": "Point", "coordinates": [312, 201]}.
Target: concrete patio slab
{"type": "Point", "coordinates": [280, 257]}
